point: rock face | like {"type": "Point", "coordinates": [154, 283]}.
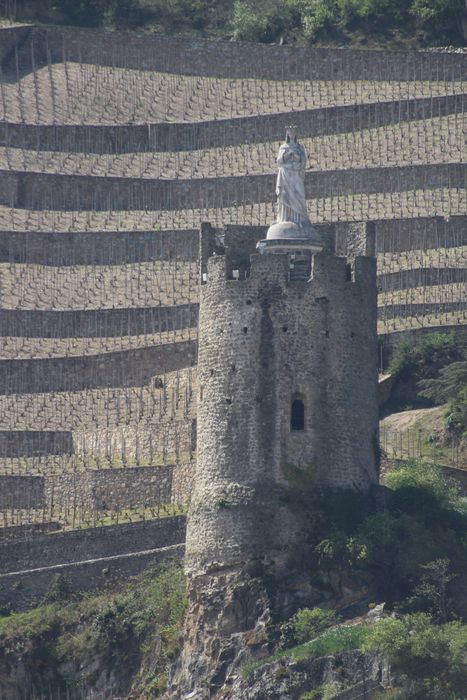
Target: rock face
{"type": "Point", "coordinates": [287, 402]}
{"type": "Point", "coordinates": [226, 626]}
{"type": "Point", "coordinates": [356, 675]}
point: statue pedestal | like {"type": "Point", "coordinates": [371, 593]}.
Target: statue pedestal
{"type": "Point", "coordinates": [288, 237]}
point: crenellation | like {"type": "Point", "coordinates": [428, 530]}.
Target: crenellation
{"type": "Point", "coordinates": [365, 272]}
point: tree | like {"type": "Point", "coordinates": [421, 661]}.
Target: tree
{"type": "Point", "coordinates": [450, 386]}
{"type": "Point", "coordinates": [432, 593]}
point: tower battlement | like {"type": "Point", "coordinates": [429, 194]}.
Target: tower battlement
{"type": "Point", "coordinates": [360, 270]}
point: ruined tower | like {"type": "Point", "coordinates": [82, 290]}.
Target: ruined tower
{"type": "Point", "coordinates": [287, 373]}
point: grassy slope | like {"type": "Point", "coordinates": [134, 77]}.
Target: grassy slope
{"type": "Point", "coordinates": [121, 639]}
{"type": "Point", "coordinates": [420, 433]}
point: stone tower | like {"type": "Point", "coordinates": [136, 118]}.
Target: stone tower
{"type": "Point", "coordinates": [287, 372]}
{"type": "Point", "coordinates": [287, 400]}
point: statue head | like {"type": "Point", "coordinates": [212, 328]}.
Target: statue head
{"type": "Point", "coordinates": [291, 133]}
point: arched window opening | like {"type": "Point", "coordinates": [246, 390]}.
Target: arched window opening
{"type": "Point", "coordinates": [297, 416]}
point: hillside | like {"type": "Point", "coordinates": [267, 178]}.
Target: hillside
{"type": "Point", "coordinates": [421, 434]}
{"type": "Point", "coordinates": [115, 148]}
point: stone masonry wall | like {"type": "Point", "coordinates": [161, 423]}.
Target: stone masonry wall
{"type": "Point", "coordinates": [94, 323]}
{"type": "Point", "coordinates": [123, 247]}
{"type": "Point", "coordinates": [97, 247]}
{"type": "Point", "coordinates": [34, 443]}
{"type": "Point", "coordinates": [420, 233]}
{"type": "Point", "coordinates": [99, 490]}
{"type": "Point", "coordinates": [227, 59]}
{"type": "Point", "coordinates": [44, 191]}
{"type": "Point", "coordinates": [21, 491]}
{"type": "Point", "coordinates": [92, 543]}
{"type": "Point", "coordinates": [111, 489]}
{"type": "Point", "coordinates": [121, 138]}
{"type": "Point", "coordinates": [23, 590]}
{"type": "Point", "coordinates": [125, 368]}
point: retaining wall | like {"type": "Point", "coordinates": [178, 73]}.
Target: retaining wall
{"type": "Point", "coordinates": [421, 277]}
{"type": "Point", "coordinates": [11, 39]}
{"type": "Point", "coordinates": [398, 235]}
{"type": "Point", "coordinates": [122, 138]}
{"type": "Point", "coordinates": [27, 588]}
{"type": "Point", "coordinates": [110, 489]}
{"type": "Point", "coordinates": [21, 491]}
{"type": "Point", "coordinates": [34, 443]}
{"type": "Point", "coordinates": [98, 248]}
{"type": "Point", "coordinates": [98, 489]}
{"type": "Point", "coordinates": [420, 310]}
{"type": "Point", "coordinates": [97, 323]}
{"type": "Point", "coordinates": [113, 369]}
{"type": "Point", "coordinates": [195, 56]}
{"type": "Point", "coordinates": [126, 247]}
{"type": "Point", "coordinates": [44, 191]}
{"type": "Point", "coordinates": [92, 543]}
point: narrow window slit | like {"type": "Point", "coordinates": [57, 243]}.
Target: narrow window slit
{"type": "Point", "coordinates": [297, 415]}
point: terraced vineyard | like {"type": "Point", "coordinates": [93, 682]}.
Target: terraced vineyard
{"type": "Point", "coordinates": [113, 149]}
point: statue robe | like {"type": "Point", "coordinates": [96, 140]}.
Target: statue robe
{"type": "Point", "coordinates": [290, 185]}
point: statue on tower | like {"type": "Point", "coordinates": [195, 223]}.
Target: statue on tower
{"type": "Point", "coordinates": [290, 184]}
{"type": "Point", "coordinates": [292, 231]}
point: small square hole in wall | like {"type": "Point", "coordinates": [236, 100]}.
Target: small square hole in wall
{"type": "Point", "coordinates": [245, 329]}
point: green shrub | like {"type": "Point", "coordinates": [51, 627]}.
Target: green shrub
{"type": "Point", "coordinates": [304, 625]}
{"type": "Point", "coordinates": [440, 349]}
{"type": "Point", "coordinates": [332, 642]}
{"type": "Point", "coordinates": [432, 594]}
{"type": "Point", "coordinates": [264, 21]}
{"type": "Point", "coordinates": [318, 16]}
{"type": "Point", "coordinates": [176, 15]}
{"type": "Point", "coordinates": [421, 488]}
{"type": "Point", "coordinates": [323, 692]}
{"type": "Point", "coordinates": [87, 13]}
{"type": "Point", "coordinates": [437, 10]}
{"type": "Point", "coordinates": [248, 24]}
{"type": "Point", "coordinates": [437, 350]}
{"type": "Point", "coordinates": [425, 520]}
{"type": "Point", "coordinates": [403, 360]}
{"type": "Point", "coordinates": [118, 627]}
{"type": "Point", "coordinates": [450, 387]}
{"type": "Point", "coordinates": [429, 659]}
{"type": "Point", "coordinates": [124, 14]}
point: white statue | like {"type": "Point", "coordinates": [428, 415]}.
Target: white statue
{"type": "Point", "coordinates": [292, 231]}
{"type": "Point", "coordinates": [290, 186]}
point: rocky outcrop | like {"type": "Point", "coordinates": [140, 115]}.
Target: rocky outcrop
{"type": "Point", "coordinates": [226, 627]}
{"type": "Point", "coordinates": [355, 676]}
{"type": "Point", "coordinates": [228, 644]}
{"type": "Point", "coordinates": [231, 625]}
